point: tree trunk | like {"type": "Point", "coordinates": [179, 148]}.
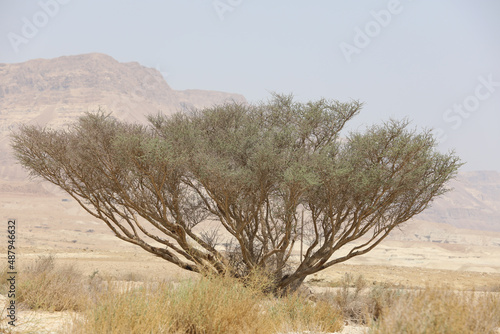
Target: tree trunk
{"type": "Point", "coordinates": [288, 285]}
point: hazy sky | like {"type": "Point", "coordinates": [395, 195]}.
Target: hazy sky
{"type": "Point", "coordinates": [435, 62]}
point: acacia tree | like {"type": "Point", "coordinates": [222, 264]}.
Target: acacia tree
{"type": "Point", "coordinates": [265, 173]}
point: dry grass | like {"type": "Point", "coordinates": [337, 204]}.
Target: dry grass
{"type": "Point", "coordinates": [224, 305]}
{"type": "Point", "coordinates": [441, 311]}
{"type": "Point", "coordinates": [359, 302]}
{"type": "Point", "coordinates": [42, 286]}
{"type": "Point", "coordinates": [207, 305]}
{"type": "Point", "coordinates": [386, 309]}
{"type": "Point", "coordinates": [296, 314]}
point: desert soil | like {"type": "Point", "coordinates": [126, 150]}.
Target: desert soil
{"type": "Point", "coordinates": [56, 225]}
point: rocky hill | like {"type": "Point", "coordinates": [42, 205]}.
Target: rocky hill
{"type": "Point", "coordinates": [474, 202]}
{"type": "Point", "coordinates": [54, 92]}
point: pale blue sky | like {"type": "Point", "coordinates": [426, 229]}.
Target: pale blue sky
{"type": "Point", "coordinates": [437, 63]}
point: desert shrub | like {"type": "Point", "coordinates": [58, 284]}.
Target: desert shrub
{"type": "Point", "coordinates": [350, 298]}
{"type": "Point", "coordinates": [133, 311]}
{"type": "Point", "coordinates": [359, 302]}
{"type": "Point", "coordinates": [295, 313]}
{"type": "Point", "coordinates": [43, 286]}
{"type": "Point", "coordinates": [381, 298]}
{"type": "Point", "coordinates": [440, 311]}
{"type": "Point", "coordinates": [217, 306]}
{"type": "Point", "coordinates": [206, 305]}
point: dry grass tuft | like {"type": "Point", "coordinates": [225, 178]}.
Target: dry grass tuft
{"type": "Point", "coordinates": [43, 286]}
{"type": "Point", "coordinates": [359, 302]}
{"type": "Point", "coordinates": [208, 305]}
{"type": "Point", "coordinates": [434, 310]}
{"type": "Point", "coordinates": [441, 311]}
{"type": "Point", "coordinates": [214, 304]}
{"type": "Point", "coordinates": [202, 306]}
{"type": "Point", "coordinates": [296, 314]}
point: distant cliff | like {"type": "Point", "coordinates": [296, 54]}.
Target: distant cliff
{"type": "Point", "coordinates": [474, 202]}
{"type": "Point", "coordinates": [55, 92]}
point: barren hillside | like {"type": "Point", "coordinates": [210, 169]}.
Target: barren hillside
{"type": "Point", "coordinates": [55, 92]}
{"type": "Point", "coordinates": [474, 202]}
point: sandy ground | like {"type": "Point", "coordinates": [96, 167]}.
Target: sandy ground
{"type": "Point", "coordinates": [55, 225]}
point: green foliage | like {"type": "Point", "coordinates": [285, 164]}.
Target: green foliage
{"type": "Point", "coordinates": [252, 168]}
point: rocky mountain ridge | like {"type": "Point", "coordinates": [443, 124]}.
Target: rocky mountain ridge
{"type": "Point", "coordinates": [69, 84]}
{"type": "Point", "coordinates": [55, 92]}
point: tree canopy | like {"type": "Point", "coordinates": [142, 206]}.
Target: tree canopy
{"type": "Point", "coordinates": [270, 175]}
